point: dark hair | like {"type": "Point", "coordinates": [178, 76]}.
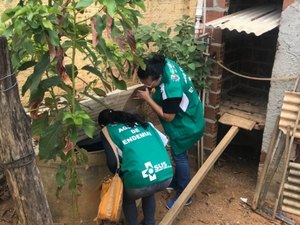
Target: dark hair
{"type": "Point", "coordinates": [109, 116]}
{"type": "Point", "coordinates": [154, 67]}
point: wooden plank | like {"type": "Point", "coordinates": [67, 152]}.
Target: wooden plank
{"type": "Point", "coordinates": [237, 121]}
{"type": "Point", "coordinates": [268, 159]}
{"type": "Point", "coordinates": [199, 176]}
{"type": "Point", "coordinates": [258, 118]}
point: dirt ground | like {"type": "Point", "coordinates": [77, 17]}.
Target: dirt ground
{"type": "Point", "coordinates": [215, 202]}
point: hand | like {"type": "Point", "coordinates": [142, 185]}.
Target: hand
{"type": "Point", "coordinates": [143, 94]}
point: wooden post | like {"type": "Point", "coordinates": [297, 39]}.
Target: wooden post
{"type": "Point", "coordinates": [17, 157]}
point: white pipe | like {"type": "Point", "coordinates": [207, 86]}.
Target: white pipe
{"type": "Point", "coordinates": [204, 16]}
{"type": "Point", "coordinates": [199, 8]}
{"type": "Point", "coordinates": [198, 17]}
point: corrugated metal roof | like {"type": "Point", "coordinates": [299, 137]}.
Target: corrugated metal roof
{"type": "Point", "coordinates": [257, 20]}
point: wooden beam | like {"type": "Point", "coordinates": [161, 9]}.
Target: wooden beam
{"type": "Point", "coordinates": [275, 137]}
{"type": "Point", "coordinates": [237, 121]}
{"type": "Point", "coordinates": [199, 176]}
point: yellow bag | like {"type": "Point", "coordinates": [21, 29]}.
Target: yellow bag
{"type": "Point", "coordinates": [111, 195]}
{"type": "Point", "coordinates": [111, 198]}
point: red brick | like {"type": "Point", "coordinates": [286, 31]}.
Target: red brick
{"type": "Point", "coordinates": [217, 70]}
{"type": "Point", "coordinates": [217, 52]}
{"type": "Point", "coordinates": [214, 99]}
{"type": "Point", "coordinates": [211, 113]}
{"type": "Point", "coordinates": [223, 3]}
{"type": "Point", "coordinates": [209, 3]}
{"type": "Point", "coordinates": [286, 3]}
{"type": "Point", "coordinates": [209, 142]}
{"type": "Point", "coordinates": [212, 15]}
{"type": "Point", "coordinates": [217, 36]}
{"type": "Point", "coordinates": [211, 128]}
{"type": "Point", "coordinates": [215, 84]}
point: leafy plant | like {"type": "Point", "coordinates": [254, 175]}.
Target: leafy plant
{"type": "Point", "coordinates": [179, 44]}
{"type": "Point", "coordinates": [47, 38]}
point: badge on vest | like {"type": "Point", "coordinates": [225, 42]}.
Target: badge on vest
{"type": "Point", "coordinates": [150, 171]}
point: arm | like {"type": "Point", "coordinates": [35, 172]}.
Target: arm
{"type": "Point", "coordinates": [111, 159]}
{"type": "Point", "coordinates": [157, 108]}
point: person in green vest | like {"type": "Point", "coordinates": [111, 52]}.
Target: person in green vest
{"type": "Point", "coordinates": [145, 166]}
{"type": "Point", "coordinates": [177, 104]}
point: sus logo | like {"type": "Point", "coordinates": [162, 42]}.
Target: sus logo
{"type": "Point", "coordinates": [149, 171]}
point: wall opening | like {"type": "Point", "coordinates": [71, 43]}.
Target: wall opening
{"type": "Point", "coordinates": [253, 56]}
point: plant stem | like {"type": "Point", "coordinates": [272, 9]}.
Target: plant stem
{"type": "Point", "coordinates": [51, 91]}
{"type": "Point", "coordinates": [73, 60]}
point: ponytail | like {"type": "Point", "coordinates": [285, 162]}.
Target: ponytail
{"type": "Point", "coordinates": [109, 116]}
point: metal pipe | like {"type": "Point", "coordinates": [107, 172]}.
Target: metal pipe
{"type": "Point", "coordinates": [198, 18]}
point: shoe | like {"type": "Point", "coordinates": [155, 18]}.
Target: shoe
{"type": "Point", "coordinates": [171, 203]}
{"type": "Point", "coordinates": [170, 189]}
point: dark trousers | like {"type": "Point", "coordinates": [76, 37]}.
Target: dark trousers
{"type": "Point", "coordinates": [147, 194]}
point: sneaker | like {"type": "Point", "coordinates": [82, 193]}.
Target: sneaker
{"type": "Point", "coordinates": [170, 189]}
{"type": "Point", "coordinates": [171, 203]}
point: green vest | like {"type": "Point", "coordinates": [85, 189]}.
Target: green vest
{"type": "Point", "coordinates": [144, 159]}
{"type": "Point", "coordinates": [188, 125]}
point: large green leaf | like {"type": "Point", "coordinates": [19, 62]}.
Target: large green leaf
{"type": "Point", "coordinates": [47, 24]}
{"type": "Point", "coordinates": [99, 92]}
{"type": "Point", "coordinates": [89, 130]}
{"type": "Point", "coordinates": [69, 70]}
{"type": "Point", "coordinates": [51, 141]}
{"type": "Point", "coordinates": [27, 65]}
{"type": "Point", "coordinates": [120, 84]}
{"type": "Point", "coordinates": [44, 85]}
{"type": "Point", "coordinates": [34, 79]}
{"type": "Point", "coordinates": [93, 70]}
{"type": "Point", "coordinates": [53, 36]}
{"type": "Point", "coordinates": [39, 125]}
{"type": "Point", "coordinates": [82, 4]}
{"type": "Point", "coordinates": [60, 175]}
{"type": "Point", "coordinates": [111, 6]}
{"type": "Point", "coordinates": [51, 82]}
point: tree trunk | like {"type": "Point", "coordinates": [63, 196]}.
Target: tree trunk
{"type": "Point", "coordinates": [16, 151]}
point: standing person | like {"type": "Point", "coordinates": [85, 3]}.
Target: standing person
{"type": "Point", "coordinates": [179, 109]}
{"type": "Point", "coordinates": [145, 165]}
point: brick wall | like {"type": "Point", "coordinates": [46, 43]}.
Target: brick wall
{"type": "Point", "coordinates": [167, 11]}
{"type": "Point", "coordinates": [215, 10]}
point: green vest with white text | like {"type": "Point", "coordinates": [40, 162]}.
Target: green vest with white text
{"type": "Point", "coordinates": [188, 125]}
{"type": "Point", "coordinates": [144, 159]}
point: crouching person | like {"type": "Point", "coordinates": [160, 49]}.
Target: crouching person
{"type": "Point", "coordinates": [145, 167]}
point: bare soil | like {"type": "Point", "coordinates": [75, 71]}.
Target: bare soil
{"type": "Point", "coordinates": [217, 200]}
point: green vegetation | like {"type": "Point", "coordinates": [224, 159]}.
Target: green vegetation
{"type": "Point", "coordinates": [177, 43]}
{"type": "Point", "coordinates": [48, 38]}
